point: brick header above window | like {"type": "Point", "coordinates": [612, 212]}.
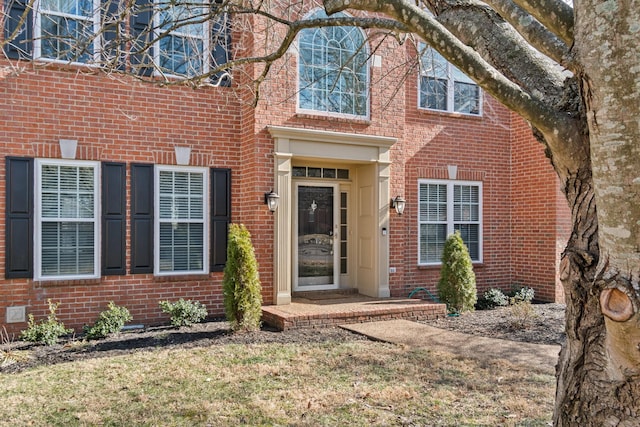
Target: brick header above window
{"type": "Point", "coordinates": [443, 173]}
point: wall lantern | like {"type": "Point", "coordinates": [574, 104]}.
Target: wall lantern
{"type": "Point", "coordinates": [183, 155]}
{"type": "Point", "coordinates": [68, 148]}
{"type": "Point", "coordinates": [271, 199]}
{"type": "Point", "coordinates": [398, 203]}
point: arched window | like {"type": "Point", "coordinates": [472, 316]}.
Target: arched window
{"type": "Point", "coordinates": [333, 69]}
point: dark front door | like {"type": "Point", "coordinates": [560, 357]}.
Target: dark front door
{"type": "Point", "coordinates": [316, 237]}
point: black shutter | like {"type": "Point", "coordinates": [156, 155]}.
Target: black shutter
{"type": "Point", "coordinates": [19, 217]}
{"type": "Point", "coordinates": [20, 46]}
{"type": "Point", "coordinates": [142, 37]}
{"type": "Point", "coordinates": [113, 54]}
{"type": "Point", "coordinates": [141, 218]}
{"type": "Point", "coordinates": [113, 218]}
{"type": "Point", "coordinates": [220, 216]}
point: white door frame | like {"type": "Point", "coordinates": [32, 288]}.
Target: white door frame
{"type": "Point", "coordinates": [336, 236]}
{"type": "Point", "coordinates": [325, 146]}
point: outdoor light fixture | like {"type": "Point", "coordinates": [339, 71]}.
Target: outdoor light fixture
{"type": "Point", "coordinates": [271, 200]}
{"type": "Point", "coordinates": [398, 203]}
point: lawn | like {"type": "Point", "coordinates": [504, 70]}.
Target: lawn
{"type": "Point", "coordinates": [358, 383]}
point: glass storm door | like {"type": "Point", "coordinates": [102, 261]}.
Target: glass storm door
{"type": "Point", "coordinates": [316, 240]}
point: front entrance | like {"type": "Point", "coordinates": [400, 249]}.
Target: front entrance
{"type": "Point", "coordinates": [316, 236]}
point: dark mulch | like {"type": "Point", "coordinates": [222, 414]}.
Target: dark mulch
{"type": "Point", "coordinates": [547, 327]}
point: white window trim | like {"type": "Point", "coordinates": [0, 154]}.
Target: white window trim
{"type": "Point", "coordinates": [450, 222]}
{"type": "Point", "coordinates": [206, 48]}
{"type": "Point", "coordinates": [37, 35]}
{"type": "Point", "coordinates": [156, 220]}
{"type": "Point", "coordinates": [38, 219]}
{"type": "Point", "coordinates": [301, 110]}
{"type": "Point", "coordinates": [450, 91]}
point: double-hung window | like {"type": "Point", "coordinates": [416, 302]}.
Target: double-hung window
{"type": "Point", "coordinates": [333, 72]}
{"type": "Point", "coordinates": [181, 226]}
{"type": "Point", "coordinates": [443, 87]}
{"type": "Point", "coordinates": [67, 30]}
{"type": "Point", "coordinates": [446, 207]}
{"type": "Point", "coordinates": [182, 31]}
{"type": "Point", "coordinates": [67, 220]}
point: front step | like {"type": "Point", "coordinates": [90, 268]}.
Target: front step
{"type": "Point", "coordinates": [303, 313]}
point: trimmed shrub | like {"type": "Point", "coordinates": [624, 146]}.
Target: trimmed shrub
{"type": "Point", "coordinates": [241, 283]}
{"type": "Point", "coordinates": [521, 294]}
{"type": "Point", "coordinates": [491, 299]}
{"type": "Point", "coordinates": [457, 285]}
{"type": "Point", "coordinates": [46, 331]}
{"type": "Point", "coordinates": [184, 312]}
{"type": "Point", "coordinates": [109, 322]}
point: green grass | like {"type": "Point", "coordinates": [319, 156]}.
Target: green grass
{"type": "Point", "coordinates": [331, 384]}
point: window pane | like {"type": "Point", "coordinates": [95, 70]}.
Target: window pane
{"type": "Point", "coordinates": [181, 247]}
{"type": "Point", "coordinates": [432, 238]}
{"type": "Point", "coordinates": [333, 69]}
{"type": "Point", "coordinates": [67, 248]}
{"type": "Point", "coordinates": [433, 202]}
{"type": "Point", "coordinates": [466, 203]}
{"type": "Point", "coordinates": [65, 38]}
{"type": "Point", "coordinates": [433, 64]}
{"type": "Point", "coordinates": [433, 93]}
{"type": "Point", "coordinates": [466, 98]}
{"type": "Point", "coordinates": [471, 238]}
{"type": "Point", "coordinates": [67, 192]}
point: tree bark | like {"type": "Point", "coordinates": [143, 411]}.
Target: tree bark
{"type": "Point", "coordinates": [599, 385]}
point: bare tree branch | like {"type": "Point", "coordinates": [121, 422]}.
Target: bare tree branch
{"type": "Point", "coordinates": [557, 126]}
{"type": "Point", "coordinates": [534, 32]}
{"type": "Point", "coordinates": [555, 15]}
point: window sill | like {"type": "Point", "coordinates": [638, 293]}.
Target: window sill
{"type": "Point", "coordinates": [452, 114]}
{"type": "Point", "coordinates": [365, 121]}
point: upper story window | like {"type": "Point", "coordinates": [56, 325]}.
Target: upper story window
{"type": "Point", "coordinates": [66, 30]}
{"type": "Point", "coordinates": [444, 207]}
{"type": "Point", "coordinates": [67, 219]}
{"type": "Point", "coordinates": [181, 223]}
{"type": "Point", "coordinates": [333, 70]}
{"type": "Point", "coordinates": [182, 48]}
{"type": "Point", "coordinates": [443, 87]}
{"type": "Point", "coordinates": [161, 37]}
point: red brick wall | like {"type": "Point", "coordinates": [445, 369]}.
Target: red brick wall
{"type": "Point", "coordinates": [540, 216]}
{"type": "Point", "coordinates": [481, 149]}
{"type": "Point", "coordinates": [114, 118]}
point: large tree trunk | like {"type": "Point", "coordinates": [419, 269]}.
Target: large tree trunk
{"type": "Point", "coordinates": [599, 369]}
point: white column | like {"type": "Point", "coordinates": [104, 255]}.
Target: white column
{"type": "Point", "coordinates": [384, 175]}
{"type": "Point", "coordinates": [282, 229]}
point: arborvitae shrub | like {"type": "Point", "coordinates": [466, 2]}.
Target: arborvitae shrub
{"type": "Point", "coordinates": [109, 322]}
{"type": "Point", "coordinates": [241, 283]}
{"type": "Point", "coordinates": [457, 285]}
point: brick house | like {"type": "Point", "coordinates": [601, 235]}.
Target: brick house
{"type": "Point", "coordinates": [122, 217]}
